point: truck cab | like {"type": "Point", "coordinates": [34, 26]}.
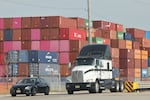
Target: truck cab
{"type": "Point", "coordinates": [93, 71]}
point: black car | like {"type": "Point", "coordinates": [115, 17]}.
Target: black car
{"type": "Point", "coordinates": [30, 86]}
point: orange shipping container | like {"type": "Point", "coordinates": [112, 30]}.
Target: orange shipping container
{"type": "Point", "coordinates": [7, 23]}
{"type": "Point", "coordinates": [109, 34]}
{"type": "Point", "coordinates": [1, 35]}
{"type": "Point", "coordinates": [137, 63]}
{"type": "Point", "coordinates": [144, 54]}
{"type": "Point", "coordinates": [115, 52]}
{"type": "Point", "coordinates": [137, 54]}
{"type": "Point", "coordinates": [45, 35]}
{"type": "Point", "coordinates": [54, 33]}
{"type": "Point", "coordinates": [35, 22]}
{"type": "Point", "coordinates": [125, 44]}
{"type": "Point", "coordinates": [137, 72]}
{"type": "Point", "coordinates": [64, 70]}
{"type": "Point", "coordinates": [16, 34]}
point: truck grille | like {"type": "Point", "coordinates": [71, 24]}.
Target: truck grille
{"type": "Point", "coordinates": [77, 76]}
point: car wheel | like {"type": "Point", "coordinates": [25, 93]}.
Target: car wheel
{"type": "Point", "coordinates": [47, 91]}
{"type": "Point", "coordinates": [33, 92]}
{"type": "Point", "coordinates": [13, 94]}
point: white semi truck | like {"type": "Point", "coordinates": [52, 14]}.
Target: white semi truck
{"type": "Point", "coordinates": [93, 71]}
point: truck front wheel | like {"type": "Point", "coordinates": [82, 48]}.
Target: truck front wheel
{"type": "Point", "coordinates": [95, 88]}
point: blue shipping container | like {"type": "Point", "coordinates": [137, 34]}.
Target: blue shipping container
{"type": "Point", "coordinates": [115, 72]}
{"type": "Point", "coordinates": [12, 70]}
{"type": "Point", "coordinates": [33, 56]}
{"type": "Point", "coordinates": [144, 73]}
{"type": "Point", "coordinates": [127, 36]}
{"type": "Point", "coordinates": [148, 61]}
{"type": "Point", "coordinates": [8, 34]}
{"type": "Point", "coordinates": [48, 57]}
{"type": "Point", "coordinates": [147, 34]}
{"type": "Point", "coordinates": [23, 56]}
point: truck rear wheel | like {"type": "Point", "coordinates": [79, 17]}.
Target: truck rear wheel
{"type": "Point", "coordinates": [116, 87]}
{"type": "Point", "coordinates": [121, 86]}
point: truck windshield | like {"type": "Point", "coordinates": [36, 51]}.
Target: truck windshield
{"type": "Point", "coordinates": [87, 61]}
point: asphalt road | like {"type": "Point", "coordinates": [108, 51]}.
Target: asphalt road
{"type": "Point", "coordinates": [82, 96]}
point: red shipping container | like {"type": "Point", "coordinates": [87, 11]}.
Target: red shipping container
{"type": "Point", "coordinates": [26, 45]}
{"type": "Point", "coordinates": [1, 47]}
{"type": "Point", "coordinates": [44, 21]}
{"type": "Point", "coordinates": [115, 52]}
{"type": "Point", "coordinates": [64, 57]}
{"type": "Point", "coordinates": [35, 34]}
{"type": "Point", "coordinates": [114, 43]}
{"type": "Point", "coordinates": [144, 63]}
{"type": "Point", "coordinates": [35, 45]}
{"type": "Point", "coordinates": [74, 45]}
{"type": "Point", "coordinates": [136, 33]}
{"type": "Point", "coordinates": [126, 63]}
{"type": "Point", "coordinates": [2, 70]}
{"type": "Point", "coordinates": [23, 69]}
{"type": "Point", "coordinates": [126, 53]}
{"type": "Point", "coordinates": [7, 23]}
{"type": "Point", "coordinates": [80, 22]}
{"type": "Point", "coordinates": [64, 45]}
{"type": "Point", "coordinates": [72, 34]}
{"type": "Point", "coordinates": [26, 22]}
{"type": "Point", "coordinates": [8, 45]}
{"type": "Point", "coordinates": [109, 34]}
{"type": "Point", "coordinates": [119, 28]}
{"type": "Point", "coordinates": [125, 44]}
{"type": "Point", "coordinates": [112, 26]}
{"type": "Point", "coordinates": [35, 22]}
{"type": "Point", "coordinates": [98, 33]}
{"type": "Point", "coordinates": [16, 34]}
{"type": "Point", "coordinates": [1, 35]}
{"type": "Point", "coordinates": [135, 45]}
{"type": "Point", "coordinates": [137, 63]}
{"type": "Point", "coordinates": [101, 24]}
{"type": "Point", "coordinates": [106, 41]}
{"type": "Point", "coordinates": [1, 23]}
{"type": "Point", "coordinates": [54, 45]}
{"type": "Point", "coordinates": [115, 62]}
{"type": "Point", "coordinates": [64, 70]}
{"type": "Point", "coordinates": [45, 45]}
{"type": "Point", "coordinates": [62, 22]}
{"type": "Point", "coordinates": [1, 58]}
{"type": "Point", "coordinates": [45, 35]}
{"type": "Point", "coordinates": [73, 56]}
{"type": "Point", "coordinates": [127, 74]}
{"type": "Point", "coordinates": [54, 33]}
{"type": "Point", "coordinates": [16, 45]}
{"type": "Point", "coordinates": [26, 34]}
{"type": "Point", "coordinates": [16, 22]}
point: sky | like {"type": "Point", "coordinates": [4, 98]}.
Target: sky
{"type": "Point", "coordinates": [130, 13]}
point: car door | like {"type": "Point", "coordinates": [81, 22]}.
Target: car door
{"type": "Point", "coordinates": [41, 85]}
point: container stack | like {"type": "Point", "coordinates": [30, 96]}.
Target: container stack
{"type": "Point", "coordinates": [26, 45]}
{"type": "Point", "coordinates": [23, 39]}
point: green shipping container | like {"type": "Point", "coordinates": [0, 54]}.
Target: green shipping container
{"type": "Point", "coordinates": [97, 40]}
{"type": "Point", "coordinates": [120, 35]}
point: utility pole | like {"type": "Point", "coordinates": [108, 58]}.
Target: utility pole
{"type": "Point", "coordinates": [89, 21]}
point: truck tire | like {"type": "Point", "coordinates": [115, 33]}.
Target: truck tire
{"type": "Point", "coordinates": [95, 88]}
{"type": "Point", "coordinates": [117, 87]}
{"type": "Point", "coordinates": [121, 86]}
{"type": "Point", "coordinates": [70, 91]}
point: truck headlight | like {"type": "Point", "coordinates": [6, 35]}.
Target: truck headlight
{"type": "Point", "coordinates": [89, 80]}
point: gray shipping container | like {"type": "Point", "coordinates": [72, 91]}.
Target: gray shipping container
{"type": "Point", "coordinates": [12, 70]}
{"type": "Point", "coordinates": [48, 69]}
{"type": "Point", "coordinates": [13, 56]}
{"type": "Point", "coordinates": [33, 69]}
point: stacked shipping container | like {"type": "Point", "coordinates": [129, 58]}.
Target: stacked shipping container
{"type": "Point", "coordinates": [66, 36]}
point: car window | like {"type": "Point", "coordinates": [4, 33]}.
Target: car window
{"type": "Point", "coordinates": [42, 80]}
